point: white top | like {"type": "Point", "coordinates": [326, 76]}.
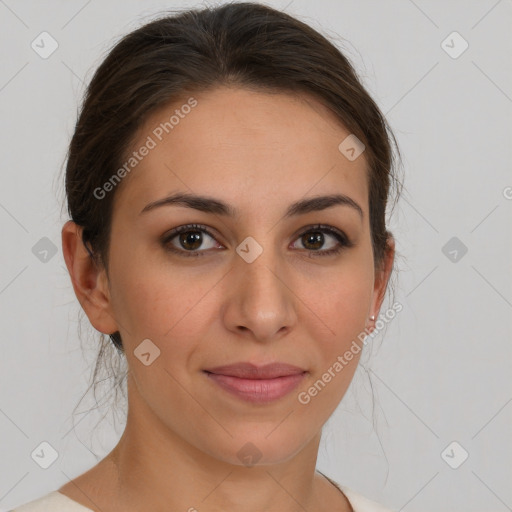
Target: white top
{"type": "Point", "coordinates": [58, 502]}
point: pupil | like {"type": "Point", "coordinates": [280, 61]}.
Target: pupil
{"type": "Point", "coordinates": [188, 239]}
{"type": "Point", "coordinates": [315, 239]}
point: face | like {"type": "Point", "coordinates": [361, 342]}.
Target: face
{"type": "Point", "coordinates": [259, 286]}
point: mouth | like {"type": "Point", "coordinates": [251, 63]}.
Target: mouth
{"type": "Point", "coordinates": [257, 384]}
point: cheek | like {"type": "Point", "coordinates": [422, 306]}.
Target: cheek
{"type": "Point", "coordinates": [164, 303]}
{"type": "Point", "coordinates": [341, 296]}
{"type": "Point", "coordinates": [349, 305]}
{"type": "Point", "coordinates": [154, 298]}
{"type": "Point", "coordinates": [335, 323]}
{"type": "Point", "coordinates": [157, 299]}
{"type": "Point", "coordinates": [336, 342]}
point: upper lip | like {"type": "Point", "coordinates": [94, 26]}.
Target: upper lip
{"type": "Point", "coordinates": [252, 371]}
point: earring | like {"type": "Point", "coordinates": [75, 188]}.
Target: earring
{"type": "Point", "coordinates": [372, 318]}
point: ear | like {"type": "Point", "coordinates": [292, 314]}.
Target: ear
{"type": "Point", "coordinates": [89, 282]}
{"type": "Point", "coordinates": [381, 280]}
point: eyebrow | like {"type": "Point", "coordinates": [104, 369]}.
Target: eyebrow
{"type": "Point", "coordinates": [215, 206]}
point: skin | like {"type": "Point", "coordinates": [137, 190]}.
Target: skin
{"type": "Point", "coordinates": [258, 152]}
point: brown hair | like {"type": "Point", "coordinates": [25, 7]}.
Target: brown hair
{"type": "Point", "coordinates": [241, 44]}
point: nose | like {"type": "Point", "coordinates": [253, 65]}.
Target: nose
{"type": "Point", "coordinates": [260, 303]}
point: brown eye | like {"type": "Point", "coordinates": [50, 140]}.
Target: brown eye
{"type": "Point", "coordinates": [313, 239]}
{"type": "Point", "coordinates": [189, 239]}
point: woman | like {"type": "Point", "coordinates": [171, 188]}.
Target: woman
{"type": "Point", "coordinates": [227, 184]}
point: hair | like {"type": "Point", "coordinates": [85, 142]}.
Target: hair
{"type": "Point", "coordinates": [246, 45]}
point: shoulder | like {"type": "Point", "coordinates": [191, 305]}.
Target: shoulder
{"type": "Point", "coordinates": [360, 503]}
{"type": "Point", "coordinates": [52, 502]}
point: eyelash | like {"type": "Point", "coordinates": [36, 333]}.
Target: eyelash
{"type": "Point", "coordinates": [339, 235]}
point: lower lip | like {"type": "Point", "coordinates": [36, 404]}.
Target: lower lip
{"type": "Point", "coordinates": [258, 390]}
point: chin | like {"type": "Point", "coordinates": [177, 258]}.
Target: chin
{"type": "Point", "coordinates": [252, 449]}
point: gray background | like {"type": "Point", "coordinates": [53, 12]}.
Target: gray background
{"type": "Point", "coordinates": [442, 369]}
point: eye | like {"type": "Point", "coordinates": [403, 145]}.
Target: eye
{"type": "Point", "coordinates": [314, 237]}
{"type": "Point", "coordinates": [190, 239]}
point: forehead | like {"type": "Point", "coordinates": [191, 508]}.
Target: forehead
{"type": "Point", "coordinates": [244, 147]}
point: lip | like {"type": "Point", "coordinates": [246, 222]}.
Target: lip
{"type": "Point", "coordinates": [257, 384]}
